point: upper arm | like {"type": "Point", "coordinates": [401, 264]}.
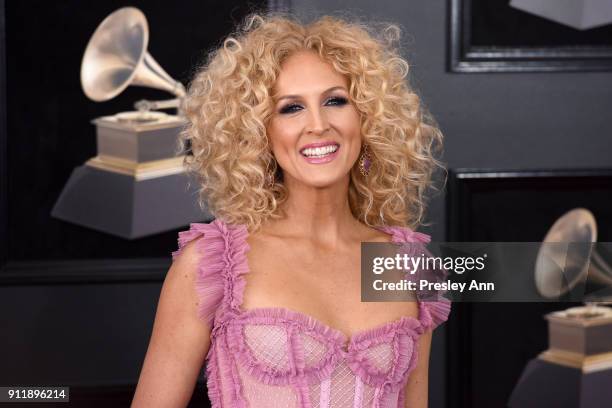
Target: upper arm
{"type": "Point", "coordinates": [180, 339]}
{"type": "Point", "coordinates": [416, 391]}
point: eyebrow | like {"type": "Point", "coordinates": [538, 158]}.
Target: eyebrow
{"type": "Point", "coordinates": [333, 88]}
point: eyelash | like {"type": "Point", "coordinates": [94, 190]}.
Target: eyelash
{"type": "Point", "coordinates": [341, 101]}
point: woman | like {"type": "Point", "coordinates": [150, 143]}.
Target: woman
{"type": "Point", "coordinates": [308, 141]}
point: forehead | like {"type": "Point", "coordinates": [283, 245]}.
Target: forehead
{"type": "Point", "coordinates": [305, 72]}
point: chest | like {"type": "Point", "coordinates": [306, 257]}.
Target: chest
{"type": "Point", "coordinates": [299, 275]}
{"type": "Point", "coordinates": [323, 284]}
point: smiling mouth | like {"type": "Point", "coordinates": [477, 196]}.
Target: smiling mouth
{"type": "Point", "coordinates": [319, 152]}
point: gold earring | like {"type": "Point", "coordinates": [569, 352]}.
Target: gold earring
{"type": "Point", "coordinates": [365, 162]}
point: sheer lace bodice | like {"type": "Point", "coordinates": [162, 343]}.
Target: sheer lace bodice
{"type": "Point", "coordinates": [276, 357]}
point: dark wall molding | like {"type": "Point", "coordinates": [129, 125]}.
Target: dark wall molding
{"type": "Point", "coordinates": [465, 57]}
{"type": "Point", "coordinates": [461, 180]}
{"type": "Point", "coordinates": [84, 272]}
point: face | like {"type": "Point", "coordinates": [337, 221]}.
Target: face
{"type": "Point", "coordinates": [315, 129]}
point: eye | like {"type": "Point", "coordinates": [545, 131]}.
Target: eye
{"type": "Point", "coordinates": [289, 108]}
{"type": "Point", "coordinates": [334, 101]}
{"type": "Point", "coordinates": [338, 100]}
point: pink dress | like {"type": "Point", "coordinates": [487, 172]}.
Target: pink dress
{"type": "Point", "coordinates": [276, 357]}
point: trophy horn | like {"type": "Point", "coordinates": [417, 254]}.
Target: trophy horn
{"type": "Point", "coordinates": [581, 262]}
{"type": "Point", "coordinates": [116, 57]}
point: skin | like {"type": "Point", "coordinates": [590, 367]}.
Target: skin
{"type": "Point", "coordinates": [308, 262]}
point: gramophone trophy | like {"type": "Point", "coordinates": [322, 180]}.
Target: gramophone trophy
{"type": "Point", "coordinates": [576, 370]}
{"type": "Point", "coordinates": [136, 185]}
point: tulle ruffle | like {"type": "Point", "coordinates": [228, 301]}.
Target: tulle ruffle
{"type": "Point", "coordinates": [222, 250]}
{"type": "Point", "coordinates": [220, 285]}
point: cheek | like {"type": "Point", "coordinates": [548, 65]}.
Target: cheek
{"type": "Point", "coordinates": [274, 135]}
{"type": "Point", "coordinates": [351, 122]}
{"type": "Point", "coordinates": [281, 140]}
{"type": "Point", "coordinates": [351, 128]}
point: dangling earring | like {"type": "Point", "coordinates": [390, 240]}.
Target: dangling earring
{"type": "Point", "coordinates": [365, 161]}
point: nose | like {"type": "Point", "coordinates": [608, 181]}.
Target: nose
{"type": "Point", "coordinates": [317, 122]}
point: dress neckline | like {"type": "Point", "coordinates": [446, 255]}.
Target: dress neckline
{"type": "Point", "coordinates": [347, 342]}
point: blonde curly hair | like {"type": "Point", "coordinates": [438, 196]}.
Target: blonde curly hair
{"type": "Point", "coordinates": [229, 104]}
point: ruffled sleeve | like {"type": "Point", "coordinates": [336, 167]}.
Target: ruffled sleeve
{"type": "Point", "coordinates": [221, 252]}
{"type": "Point", "coordinates": [432, 313]}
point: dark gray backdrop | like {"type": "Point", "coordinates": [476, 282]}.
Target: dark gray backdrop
{"type": "Point", "coordinates": [97, 334]}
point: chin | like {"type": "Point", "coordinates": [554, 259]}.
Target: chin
{"type": "Point", "coordinates": [323, 182]}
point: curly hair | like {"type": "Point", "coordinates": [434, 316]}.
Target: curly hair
{"type": "Point", "coordinates": [229, 104]}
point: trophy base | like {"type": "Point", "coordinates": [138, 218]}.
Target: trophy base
{"type": "Point", "coordinates": [136, 141]}
{"type": "Point", "coordinates": [576, 370]}
{"type": "Point", "coordinates": [122, 205]}
{"type": "Point", "coordinates": [545, 384]}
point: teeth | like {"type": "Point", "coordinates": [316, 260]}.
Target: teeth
{"type": "Point", "coordinates": [319, 151]}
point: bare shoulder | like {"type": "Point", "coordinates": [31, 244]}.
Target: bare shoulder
{"type": "Point", "coordinates": [179, 339]}
{"type": "Point", "coordinates": [178, 289]}
{"type": "Point", "coordinates": [187, 261]}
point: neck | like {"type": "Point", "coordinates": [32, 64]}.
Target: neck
{"type": "Point", "coordinates": [322, 215]}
